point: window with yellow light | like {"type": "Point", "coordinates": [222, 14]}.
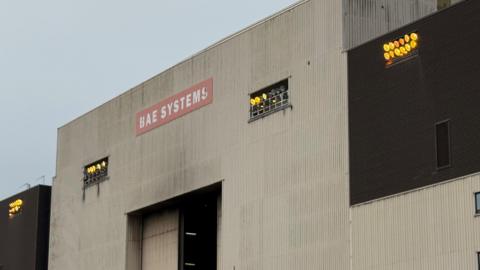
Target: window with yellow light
{"type": "Point", "coordinates": [269, 100]}
{"type": "Point", "coordinates": [15, 208]}
{"type": "Point", "coordinates": [95, 172]}
{"type": "Point", "coordinates": [400, 48]}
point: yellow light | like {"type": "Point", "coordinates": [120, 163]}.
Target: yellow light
{"type": "Point", "coordinates": [407, 38]}
{"type": "Point", "coordinates": [257, 100]}
{"type": "Point", "coordinates": [15, 207]}
{"type": "Point", "coordinates": [413, 44]}
{"type": "Point", "coordinates": [408, 48]}
{"type": "Point", "coordinates": [386, 56]}
{"type": "Point", "coordinates": [104, 164]}
{"type": "Point", "coordinates": [252, 101]}
{"type": "Point", "coordinates": [396, 44]}
{"type": "Point", "coordinates": [93, 169]}
{"type": "Point", "coordinates": [391, 45]}
{"type": "Point", "coordinates": [99, 167]}
{"type": "Point", "coordinates": [397, 52]}
{"type": "Point", "coordinates": [392, 54]}
{"type": "Point", "coordinates": [401, 41]}
{"type": "Point", "coordinates": [264, 96]}
{"type": "Point", "coordinates": [386, 47]}
{"type": "Point", "coordinates": [403, 50]}
{"type": "Point", "coordinates": [414, 36]}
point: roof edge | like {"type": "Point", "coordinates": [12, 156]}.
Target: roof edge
{"type": "Point", "coordinates": [216, 44]}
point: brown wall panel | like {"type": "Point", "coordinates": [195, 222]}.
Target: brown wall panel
{"type": "Point", "coordinates": [393, 111]}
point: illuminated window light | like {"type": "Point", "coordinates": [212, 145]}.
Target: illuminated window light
{"type": "Point", "coordinates": [95, 172]}
{"type": "Point", "coordinates": [400, 48]}
{"type": "Point", "coordinates": [15, 208]}
{"type": "Point", "coordinates": [269, 100]}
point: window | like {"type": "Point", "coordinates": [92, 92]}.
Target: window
{"type": "Point", "coordinates": [269, 100]}
{"type": "Point", "coordinates": [478, 260]}
{"type": "Point", "coordinates": [442, 138]}
{"type": "Point", "coordinates": [198, 235]}
{"type": "Point", "coordinates": [441, 4]}
{"type": "Point", "coordinates": [95, 172]}
{"type": "Point", "coordinates": [402, 48]}
{"type": "Point", "coordinates": [477, 203]}
{"type": "Point", "coordinates": [15, 208]}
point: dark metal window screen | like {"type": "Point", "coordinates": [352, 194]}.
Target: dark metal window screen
{"type": "Point", "coordinates": [269, 100]}
{"type": "Point", "coordinates": [95, 172]}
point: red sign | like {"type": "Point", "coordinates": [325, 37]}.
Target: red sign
{"type": "Point", "coordinates": [175, 106]}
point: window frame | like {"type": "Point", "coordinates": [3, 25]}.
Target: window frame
{"type": "Point", "coordinates": [478, 260]}
{"type": "Point", "coordinates": [449, 144]}
{"type": "Point", "coordinates": [477, 210]}
{"type": "Point", "coordinates": [271, 87]}
{"type": "Point", "coordinates": [97, 179]}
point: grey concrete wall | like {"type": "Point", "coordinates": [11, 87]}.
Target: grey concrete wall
{"type": "Point", "coordinates": [285, 178]}
{"type": "Point", "coordinates": [430, 228]}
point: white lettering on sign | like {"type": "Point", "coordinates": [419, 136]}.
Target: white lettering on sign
{"type": "Point", "coordinates": [175, 106]}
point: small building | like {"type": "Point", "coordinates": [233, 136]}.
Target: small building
{"type": "Point", "coordinates": [24, 230]}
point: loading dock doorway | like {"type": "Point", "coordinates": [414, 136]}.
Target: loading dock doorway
{"type": "Point", "coordinates": [180, 233]}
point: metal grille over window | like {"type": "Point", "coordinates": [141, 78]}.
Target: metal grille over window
{"type": "Point", "coordinates": [96, 172]}
{"type": "Point", "coordinates": [269, 100]}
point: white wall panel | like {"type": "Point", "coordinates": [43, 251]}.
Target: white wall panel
{"type": "Point", "coordinates": [430, 228]}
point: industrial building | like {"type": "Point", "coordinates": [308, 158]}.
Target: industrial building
{"type": "Point", "coordinates": [313, 139]}
{"type": "Point", "coordinates": [24, 230]}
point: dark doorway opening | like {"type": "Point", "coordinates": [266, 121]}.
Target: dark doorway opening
{"type": "Point", "coordinates": [198, 233]}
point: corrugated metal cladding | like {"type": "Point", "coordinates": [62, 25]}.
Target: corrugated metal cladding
{"type": "Point", "coordinates": [284, 178]}
{"type": "Point", "coordinates": [367, 19]}
{"type": "Point", "coordinates": [160, 240]}
{"type": "Point", "coordinates": [430, 229]}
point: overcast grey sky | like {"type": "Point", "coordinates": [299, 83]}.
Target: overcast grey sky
{"type": "Point", "coordinates": [62, 58]}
